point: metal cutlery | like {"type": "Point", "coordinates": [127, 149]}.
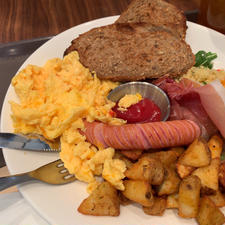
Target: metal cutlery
{"type": "Point", "coordinates": [32, 143]}
{"type": "Point", "coordinates": [51, 173]}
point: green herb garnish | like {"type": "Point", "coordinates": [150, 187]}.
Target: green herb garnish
{"type": "Point", "coordinates": [203, 58]}
{"type": "Point", "coordinates": [203, 82]}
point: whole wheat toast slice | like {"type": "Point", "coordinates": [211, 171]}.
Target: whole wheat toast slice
{"type": "Point", "coordinates": [156, 13]}
{"type": "Point", "coordinates": [128, 52]}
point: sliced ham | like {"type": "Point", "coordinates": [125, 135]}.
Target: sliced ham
{"type": "Point", "coordinates": [142, 136]}
{"type": "Point", "coordinates": [213, 100]}
{"type": "Point", "coordinates": [186, 104]}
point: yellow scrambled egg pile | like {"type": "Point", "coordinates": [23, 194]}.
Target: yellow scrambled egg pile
{"type": "Point", "coordinates": [54, 100]}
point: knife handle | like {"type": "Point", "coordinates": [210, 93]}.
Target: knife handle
{"type": "Point", "coordinates": [6, 182]}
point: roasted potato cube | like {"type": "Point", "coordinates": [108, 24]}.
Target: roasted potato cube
{"type": "Point", "coordinates": [222, 175]}
{"type": "Point", "coordinates": [139, 191]}
{"type": "Point", "coordinates": [170, 183]}
{"type": "Point", "coordinates": [218, 199]}
{"type": "Point", "coordinates": [216, 146]}
{"type": "Point", "coordinates": [189, 195]}
{"type": "Point", "coordinates": [119, 155]}
{"type": "Point", "coordinates": [172, 201]}
{"type": "Point", "coordinates": [146, 169]}
{"type": "Point", "coordinates": [208, 213]}
{"type": "Point", "coordinates": [157, 209]}
{"type": "Point", "coordinates": [132, 154]}
{"type": "Point", "coordinates": [209, 175]}
{"type": "Point", "coordinates": [123, 200]}
{"type": "Point", "coordinates": [177, 150]}
{"type": "Point", "coordinates": [183, 170]}
{"type": "Point", "coordinates": [196, 155]}
{"type": "Point", "coordinates": [103, 201]}
{"type": "Point", "coordinates": [166, 157]}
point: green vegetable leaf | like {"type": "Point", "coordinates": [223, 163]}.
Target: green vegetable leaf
{"type": "Point", "coordinates": [205, 59]}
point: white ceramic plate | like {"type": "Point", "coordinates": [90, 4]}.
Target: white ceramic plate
{"type": "Point", "coordinates": [58, 204]}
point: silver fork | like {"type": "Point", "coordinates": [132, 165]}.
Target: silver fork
{"type": "Point", "coordinates": [51, 173]}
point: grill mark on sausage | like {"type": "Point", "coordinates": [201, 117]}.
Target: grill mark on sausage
{"type": "Point", "coordinates": [146, 140]}
{"type": "Point", "coordinates": [163, 136]}
{"type": "Point", "coordinates": [170, 136]}
{"type": "Point", "coordinates": [177, 134]}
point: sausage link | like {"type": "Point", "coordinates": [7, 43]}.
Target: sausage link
{"type": "Point", "coordinates": [143, 136]}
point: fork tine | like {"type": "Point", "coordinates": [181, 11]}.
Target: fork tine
{"type": "Point", "coordinates": [53, 173]}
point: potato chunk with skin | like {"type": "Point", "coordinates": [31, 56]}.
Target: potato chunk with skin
{"type": "Point", "coordinates": [209, 214]}
{"type": "Point", "coordinates": [157, 209]}
{"type": "Point", "coordinates": [177, 150]}
{"type": "Point", "coordinates": [183, 170]}
{"type": "Point", "coordinates": [196, 155]}
{"type": "Point", "coordinates": [146, 169]}
{"type": "Point", "coordinates": [218, 199]}
{"type": "Point", "coordinates": [189, 195]}
{"type": "Point", "coordinates": [222, 175]}
{"type": "Point", "coordinates": [172, 201]}
{"type": "Point", "coordinates": [165, 157]}
{"type": "Point", "coordinates": [132, 154]}
{"type": "Point", "coordinates": [209, 175]}
{"type": "Point", "coordinates": [139, 191]}
{"type": "Point", "coordinates": [216, 146]}
{"type": "Point", "coordinates": [170, 183]}
{"type": "Point", "coordinates": [103, 201]}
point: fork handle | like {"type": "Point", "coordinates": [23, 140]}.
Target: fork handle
{"type": "Point", "coordinates": [6, 182]}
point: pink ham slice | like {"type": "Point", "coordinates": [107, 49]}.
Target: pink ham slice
{"type": "Point", "coordinates": [213, 100]}
{"type": "Point", "coordinates": [142, 136]}
{"type": "Point", "coordinates": [186, 104]}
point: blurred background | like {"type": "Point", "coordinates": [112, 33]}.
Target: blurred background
{"type": "Point", "coordinates": [28, 19]}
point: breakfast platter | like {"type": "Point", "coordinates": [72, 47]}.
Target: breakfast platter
{"type": "Point", "coordinates": [58, 204]}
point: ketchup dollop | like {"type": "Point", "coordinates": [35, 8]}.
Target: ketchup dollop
{"type": "Point", "coordinates": [141, 112]}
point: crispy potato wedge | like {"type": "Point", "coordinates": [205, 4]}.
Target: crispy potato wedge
{"type": "Point", "coordinates": [157, 209]}
{"type": "Point", "coordinates": [196, 155]}
{"type": "Point", "coordinates": [123, 200]}
{"type": "Point", "coordinates": [222, 175]}
{"type": "Point", "coordinates": [218, 199]}
{"type": "Point", "coordinates": [209, 175]}
{"type": "Point", "coordinates": [147, 169]}
{"type": "Point", "coordinates": [132, 154]}
{"type": "Point", "coordinates": [183, 170]}
{"type": "Point", "coordinates": [119, 155]}
{"type": "Point", "coordinates": [208, 213]}
{"type": "Point", "coordinates": [103, 201]}
{"type": "Point", "coordinates": [166, 157]}
{"type": "Point", "coordinates": [170, 183]}
{"type": "Point", "coordinates": [215, 144]}
{"type": "Point", "coordinates": [189, 195]}
{"type": "Point", "coordinates": [172, 201]}
{"type": "Point", "coordinates": [139, 191]}
{"type": "Point", "coordinates": [177, 150]}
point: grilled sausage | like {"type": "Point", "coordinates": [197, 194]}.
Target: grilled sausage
{"type": "Point", "coordinates": [142, 136]}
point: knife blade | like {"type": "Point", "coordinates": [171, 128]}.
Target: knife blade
{"type": "Point", "coordinates": [15, 141]}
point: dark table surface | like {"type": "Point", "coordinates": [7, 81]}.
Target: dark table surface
{"type": "Point", "coordinates": [28, 19]}
{"type": "Point", "coordinates": [27, 24]}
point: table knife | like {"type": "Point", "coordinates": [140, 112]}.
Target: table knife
{"type": "Point", "coordinates": [15, 141]}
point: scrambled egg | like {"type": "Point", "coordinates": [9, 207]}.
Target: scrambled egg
{"type": "Point", "coordinates": [128, 100]}
{"type": "Point", "coordinates": [54, 100]}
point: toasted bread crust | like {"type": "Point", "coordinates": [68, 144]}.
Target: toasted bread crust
{"type": "Point", "coordinates": [128, 52]}
{"type": "Point", "coordinates": [156, 13]}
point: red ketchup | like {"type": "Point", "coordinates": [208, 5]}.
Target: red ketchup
{"type": "Point", "coordinates": [141, 112]}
